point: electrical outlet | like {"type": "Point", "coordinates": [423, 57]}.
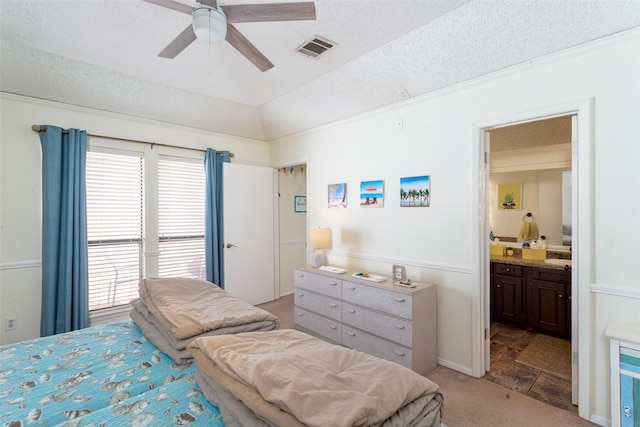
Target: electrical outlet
{"type": "Point", "coordinates": [10, 323]}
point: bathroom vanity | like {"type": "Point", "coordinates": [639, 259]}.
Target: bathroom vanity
{"type": "Point", "coordinates": [531, 294]}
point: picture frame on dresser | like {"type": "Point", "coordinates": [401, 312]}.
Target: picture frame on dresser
{"type": "Point", "coordinates": [399, 273]}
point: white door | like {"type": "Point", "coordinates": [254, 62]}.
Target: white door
{"type": "Point", "coordinates": [249, 232]}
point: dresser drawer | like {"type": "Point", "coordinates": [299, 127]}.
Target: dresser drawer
{"type": "Point", "coordinates": [391, 328]}
{"type": "Point", "coordinates": [317, 283]}
{"type": "Point", "coordinates": [318, 303]}
{"type": "Point", "coordinates": [395, 303]}
{"type": "Point", "coordinates": [320, 325]}
{"type": "Point", "coordinates": [367, 343]}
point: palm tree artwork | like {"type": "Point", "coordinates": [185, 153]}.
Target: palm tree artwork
{"type": "Point", "coordinates": [415, 191]}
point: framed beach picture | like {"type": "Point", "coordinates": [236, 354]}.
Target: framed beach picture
{"type": "Point", "coordinates": [372, 194]}
{"type": "Point", "coordinates": [337, 195]}
{"type": "Point", "coordinates": [510, 196]}
{"type": "Point", "coordinates": [299, 203]}
{"type": "Point", "coordinates": [415, 191]}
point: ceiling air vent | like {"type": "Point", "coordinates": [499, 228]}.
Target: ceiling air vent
{"type": "Point", "coordinates": [315, 47]}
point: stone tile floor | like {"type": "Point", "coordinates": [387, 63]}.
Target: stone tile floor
{"type": "Point", "coordinates": [506, 343]}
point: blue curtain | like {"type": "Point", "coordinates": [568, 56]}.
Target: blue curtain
{"type": "Point", "coordinates": [65, 277]}
{"type": "Point", "coordinates": [213, 238]}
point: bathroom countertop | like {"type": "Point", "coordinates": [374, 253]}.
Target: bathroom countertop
{"type": "Point", "coordinates": [505, 259]}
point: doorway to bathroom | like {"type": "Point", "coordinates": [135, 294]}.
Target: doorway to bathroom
{"type": "Point", "coordinates": [580, 114]}
{"type": "Point", "coordinates": [530, 202]}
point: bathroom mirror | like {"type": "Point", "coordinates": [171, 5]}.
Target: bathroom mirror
{"type": "Point", "coordinates": [537, 155]}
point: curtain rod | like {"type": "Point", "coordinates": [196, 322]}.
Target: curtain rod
{"type": "Point", "coordinates": [38, 128]}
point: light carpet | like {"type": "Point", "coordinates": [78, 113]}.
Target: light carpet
{"type": "Point", "coordinates": [548, 354]}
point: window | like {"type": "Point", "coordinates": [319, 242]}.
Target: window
{"type": "Point", "coordinates": [181, 197]}
{"type": "Point", "coordinates": [139, 227]}
{"type": "Point", "coordinates": [115, 198]}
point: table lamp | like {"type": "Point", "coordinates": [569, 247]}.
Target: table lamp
{"type": "Point", "coordinates": [319, 239]}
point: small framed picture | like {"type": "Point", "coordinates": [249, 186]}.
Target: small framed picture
{"type": "Point", "coordinates": [510, 196]}
{"type": "Point", "coordinates": [399, 273]}
{"type": "Point", "coordinates": [337, 195]}
{"type": "Point", "coordinates": [299, 203]}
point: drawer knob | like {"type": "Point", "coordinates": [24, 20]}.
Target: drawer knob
{"type": "Point", "coordinates": [498, 286]}
{"type": "Point", "coordinates": [351, 334]}
{"type": "Point", "coordinates": [333, 304]}
{"type": "Point", "coordinates": [351, 310]}
{"type": "Point", "coordinates": [300, 313]}
{"type": "Point", "coordinates": [333, 283]}
{"type": "Point", "coordinates": [399, 326]}
{"type": "Point", "coordinates": [333, 326]}
{"type": "Point", "coordinates": [559, 295]}
{"type": "Point", "coordinates": [399, 299]}
{"type": "Point", "coordinates": [507, 270]}
{"type": "Point", "coordinates": [351, 288]}
{"type": "Point", "coordinates": [399, 352]}
{"type": "Point", "coordinates": [300, 294]}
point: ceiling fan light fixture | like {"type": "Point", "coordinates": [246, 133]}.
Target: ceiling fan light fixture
{"type": "Point", "coordinates": [209, 24]}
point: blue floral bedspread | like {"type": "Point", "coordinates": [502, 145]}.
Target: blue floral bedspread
{"type": "Point", "coordinates": [109, 375]}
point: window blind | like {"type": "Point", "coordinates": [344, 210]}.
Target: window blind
{"type": "Point", "coordinates": [181, 197]}
{"type": "Point", "coordinates": [115, 195]}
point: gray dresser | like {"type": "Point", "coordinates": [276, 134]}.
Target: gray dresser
{"type": "Point", "coordinates": [379, 318]}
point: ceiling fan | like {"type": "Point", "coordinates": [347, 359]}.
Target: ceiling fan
{"type": "Point", "coordinates": [221, 18]}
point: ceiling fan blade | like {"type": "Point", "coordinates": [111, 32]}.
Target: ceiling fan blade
{"type": "Point", "coordinates": [301, 11]}
{"type": "Point", "coordinates": [180, 43]}
{"type": "Point", "coordinates": [244, 46]}
{"type": "Point", "coordinates": [170, 4]}
{"type": "Point", "coordinates": [210, 3]}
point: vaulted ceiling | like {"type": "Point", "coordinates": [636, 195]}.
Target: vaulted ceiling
{"type": "Point", "coordinates": [102, 54]}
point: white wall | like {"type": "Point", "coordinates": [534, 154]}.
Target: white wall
{"type": "Point", "coordinates": [436, 139]}
{"type": "Point", "coordinates": [20, 195]}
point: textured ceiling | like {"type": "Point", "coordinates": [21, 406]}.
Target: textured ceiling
{"type": "Point", "coordinates": [532, 134]}
{"type": "Point", "coordinates": [102, 54]}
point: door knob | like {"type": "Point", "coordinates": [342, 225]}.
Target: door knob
{"type": "Point", "coordinates": [229, 245]}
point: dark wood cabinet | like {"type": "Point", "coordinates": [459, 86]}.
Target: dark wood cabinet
{"type": "Point", "coordinates": [532, 297]}
{"type": "Point", "coordinates": [548, 300]}
{"type": "Point", "coordinates": [507, 294]}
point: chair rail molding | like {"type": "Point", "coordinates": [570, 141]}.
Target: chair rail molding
{"type": "Point", "coordinates": [21, 264]}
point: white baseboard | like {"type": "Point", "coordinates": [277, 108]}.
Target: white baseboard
{"type": "Point", "coordinates": [455, 367]}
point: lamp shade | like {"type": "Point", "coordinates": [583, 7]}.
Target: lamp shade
{"type": "Point", "coordinates": [319, 237]}
{"type": "Point", "coordinates": [209, 24]}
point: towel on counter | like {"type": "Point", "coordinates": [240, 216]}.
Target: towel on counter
{"type": "Point", "coordinates": [528, 231]}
